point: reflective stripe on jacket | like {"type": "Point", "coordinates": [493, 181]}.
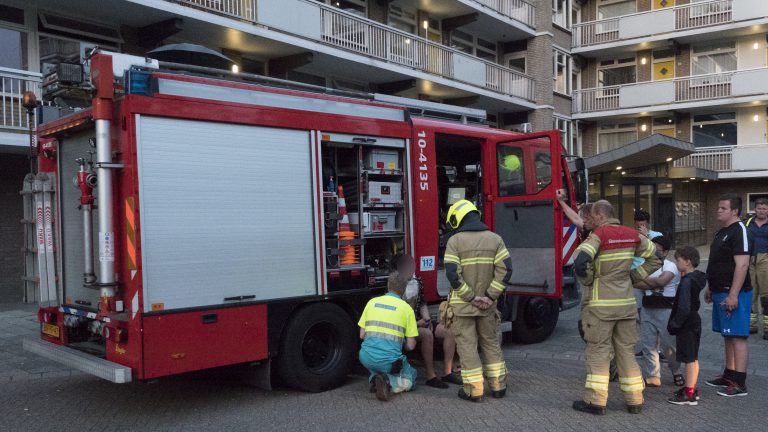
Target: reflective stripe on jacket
{"type": "Point", "coordinates": [612, 248]}
{"type": "Point", "coordinates": [482, 264]}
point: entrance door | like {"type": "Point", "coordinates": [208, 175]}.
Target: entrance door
{"type": "Point", "coordinates": [521, 209]}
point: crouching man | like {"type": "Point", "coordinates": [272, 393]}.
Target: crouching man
{"type": "Point", "coordinates": [388, 328]}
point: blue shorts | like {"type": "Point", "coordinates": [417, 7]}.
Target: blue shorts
{"type": "Point", "coordinates": [735, 322]}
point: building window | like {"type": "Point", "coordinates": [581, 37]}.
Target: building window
{"type": "Point", "coordinates": [569, 136]}
{"type": "Point", "coordinates": [664, 126]}
{"type": "Point", "coordinates": [575, 77]}
{"type": "Point", "coordinates": [561, 71]}
{"type": "Point", "coordinates": [713, 58]}
{"type": "Point", "coordinates": [13, 49]}
{"type": "Point", "coordinates": [616, 72]}
{"type": "Point", "coordinates": [575, 13]}
{"type": "Point", "coordinates": [402, 18]}
{"type": "Point", "coordinates": [472, 45]}
{"type": "Point", "coordinates": [561, 13]}
{"type": "Point", "coordinates": [516, 61]}
{"type": "Point", "coordinates": [711, 130]}
{"type": "Point", "coordinates": [357, 7]}
{"type": "Point", "coordinates": [615, 8]}
{"type": "Point", "coordinates": [614, 135]}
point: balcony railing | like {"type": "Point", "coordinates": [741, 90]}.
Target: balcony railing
{"type": "Point", "coordinates": [518, 10]}
{"type": "Point", "coordinates": [677, 90]}
{"type": "Point", "coordinates": [357, 34]}
{"type": "Point", "coordinates": [659, 21]}
{"type": "Point", "coordinates": [13, 84]}
{"type": "Point", "coordinates": [711, 158]}
{"type": "Point", "coordinates": [730, 158]}
{"type": "Point", "coordinates": [242, 9]}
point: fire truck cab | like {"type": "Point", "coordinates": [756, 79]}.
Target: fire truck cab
{"type": "Point", "coordinates": [187, 222]}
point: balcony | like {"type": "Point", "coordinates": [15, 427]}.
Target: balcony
{"type": "Point", "coordinates": [691, 91]}
{"type": "Point", "coordinates": [746, 160]}
{"type": "Point", "coordinates": [518, 10]}
{"type": "Point", "coordinates": [349, 32]}
{"type": "Point", "coordinates": [658, 24]}
{"type": "Point", "coordinates": [13, 84]}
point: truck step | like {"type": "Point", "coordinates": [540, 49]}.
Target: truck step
{"type": "Point", "coordinates": [96, 366]}
{"type": "Point", "coordinates": [506, 326]}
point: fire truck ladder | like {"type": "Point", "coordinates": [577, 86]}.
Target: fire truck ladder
{"type": "Point", "coordinates": [39, 252]}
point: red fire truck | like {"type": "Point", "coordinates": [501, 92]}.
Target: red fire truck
{"type": "Point", "coordinates": [187, 222]}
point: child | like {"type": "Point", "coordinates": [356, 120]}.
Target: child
{"type": "Point", "coordinates": [685, 323]}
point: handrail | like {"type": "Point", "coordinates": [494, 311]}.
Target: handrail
{"type": "Point", "coordinates": [687, 16]}
{"type": "Point", "coordinates": [13, 84]}
{"type": "Point", "coordinates": [518, 10]}
{"type": "Point", "coordinates": [361, 35]}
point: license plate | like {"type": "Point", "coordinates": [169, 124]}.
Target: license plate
{"type": "Point", "coordinates": [51, 330]}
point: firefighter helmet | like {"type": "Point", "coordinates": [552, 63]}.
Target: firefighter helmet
{"type": "Point", "coordinates": [511, 162]}
{"type": "Point", "coordinates": [457, 212]}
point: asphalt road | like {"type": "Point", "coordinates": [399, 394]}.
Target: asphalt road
{"type": "Point", "coordinates": [38, 395]}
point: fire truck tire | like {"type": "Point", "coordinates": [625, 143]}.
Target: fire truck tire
{"type": "Point", "coordinates": [536, 319]}
{"type": "Point", "coordinates": [317, 349]}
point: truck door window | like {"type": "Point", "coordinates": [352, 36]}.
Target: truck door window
{"type": "Point", "coordinates": [543, 162]}
{"type": "Point", "coordinates": [511, 170]}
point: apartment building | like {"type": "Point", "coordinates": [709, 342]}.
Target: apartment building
{"type": "Point", "coordinates": [692, 70]}
{"type": "Point", "coordinates": [630, 82]}
{"type": "Point", "coordinates": [511, 58]}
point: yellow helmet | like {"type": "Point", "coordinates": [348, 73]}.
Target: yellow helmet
{"type": "Point", "coordinates": [511, 162]}
{"type": "Point", "coordinates": [457, 212]}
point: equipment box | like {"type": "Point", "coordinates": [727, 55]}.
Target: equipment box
{"type": "Point", "coordinates": [386, 160]}
{"type": "Point", "coordinates": [382, 221]}
{"type": "Point", "coordinates": [379, 221]}
{"type": "Point", "coordinates": [384, 193]}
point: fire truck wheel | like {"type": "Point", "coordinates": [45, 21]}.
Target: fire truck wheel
{"type": "Point", "coordinates": [318, 348]}
{"type": "Point", "coordinates": [536, 319]}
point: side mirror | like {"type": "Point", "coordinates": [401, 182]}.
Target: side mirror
{"type": "Point", "coordinates": [581, 181]}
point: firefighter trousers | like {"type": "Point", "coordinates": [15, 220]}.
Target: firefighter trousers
{"type": "Point", "coordinates": [758, 274]}
{"type": "Point", "coordinates": [478, 344]}
{"type": "Point", "coordinates": [601, 336]}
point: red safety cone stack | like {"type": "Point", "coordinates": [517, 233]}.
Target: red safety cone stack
{"type": "Point", "coordinates": [349, 252]}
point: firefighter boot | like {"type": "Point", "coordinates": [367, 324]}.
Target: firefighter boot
{"type": "Point", "coordinates": [588, 408]}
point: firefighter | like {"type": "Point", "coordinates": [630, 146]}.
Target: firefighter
{"type": "Point", "coordinates": [478, 268]}
{"type": "Point", "coordinates": [609, 311]}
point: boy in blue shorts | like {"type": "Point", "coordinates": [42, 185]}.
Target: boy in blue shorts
{"type": "Point", "coordinates": [685, 323]}
{"type": "Point", "coordinates": [731, 292]}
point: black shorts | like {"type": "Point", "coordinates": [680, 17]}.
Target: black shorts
{"type": "Point", "coordinates": [687, 341]}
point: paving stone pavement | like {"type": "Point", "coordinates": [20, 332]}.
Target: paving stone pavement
{"type": "Point", "coordinates": [38, 395]}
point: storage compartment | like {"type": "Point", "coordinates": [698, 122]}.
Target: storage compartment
{"type": "Point", "coordinates": [382, 221]}
{"type": "Point", "coordinates": [384, 193]}
{"type": "Point", "coordinates": [375, 222]}
{"type": "Point", "coordinates": [382, 160]}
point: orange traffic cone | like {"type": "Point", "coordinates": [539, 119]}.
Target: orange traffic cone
{"type": "Point", "coordinates": [350, 254]}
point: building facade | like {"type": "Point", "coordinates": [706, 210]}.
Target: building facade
{"type": "Point", "coordinates": [604, 72]}
{"type": "Point", "coordinates": [695, 70]}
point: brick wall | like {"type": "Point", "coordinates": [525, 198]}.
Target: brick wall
{"type": "Point", "coordinates": [648, 122]}
{"type": "Point", "coordinates": [644, 71]}
{"type": "Point", "coordinates": [644, 5]}
{"type": "Point", "coordinates": [588, 10]}
{"type": "Point", "coordinates": [13, 168]}
{"type": "Point", "coordinates": [684, 61]}
{"type": "Point", "coordinates": [589, 74]}
{"type": "Point", "coordinates": [541, 119]}
{"type": "Point", "coordinates": [683, 121]}
{"type": "Point", "coordinates": [589, 140]}
{"type": "Point", "coordinates": [540, 67]}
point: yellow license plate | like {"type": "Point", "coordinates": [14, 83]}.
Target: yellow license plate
{"type": "Point", "coordinates": [51, 330]}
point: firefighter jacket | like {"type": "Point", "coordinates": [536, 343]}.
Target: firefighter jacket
{"type": "Point", "coordinates": [603, 266]}
{"type": "Point", "coordinates": [477, 263]}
